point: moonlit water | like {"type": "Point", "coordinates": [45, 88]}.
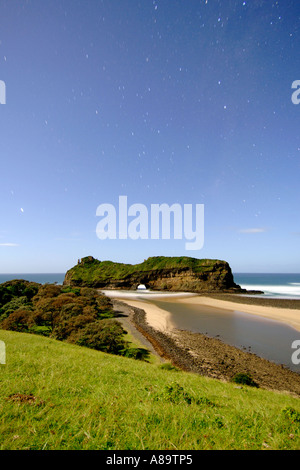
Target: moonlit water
{"type": "Point", "coordinates": [274, 285]}
{"type": "Point", "coordinates": [41, 278]}
{"type": "Point", "coordinates": [265, 337]}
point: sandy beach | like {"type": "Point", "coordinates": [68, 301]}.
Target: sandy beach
{"type": "Point", "coordinates": [288, 316]}
{"type": "Point", "coordinates": [200, 354]}
{"type": "Point", "coordinates": [156, 317]}
{"type": "Point", "coordinates": [161, 320]}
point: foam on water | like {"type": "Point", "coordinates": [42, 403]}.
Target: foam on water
{"type": "Point", "coordinates": [291, 290]}
{"type": "Point", "coordinates": [144, 293]}
{"type": "Point", "coordinates": [277, 285]}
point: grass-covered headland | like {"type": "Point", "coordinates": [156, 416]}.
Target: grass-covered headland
{"type": "Point", "coordinates": [67, 384]}
{"type": "Point", "coordinates": [179, 273]}
{"type": "Point", "coordinates": [89, 269]}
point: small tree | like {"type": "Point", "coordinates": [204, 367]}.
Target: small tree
{"type": "Point", "coordinates": [20, 320]}
{"type": "Point", "coordinates": [103, 335]}
{"type": "Point", "coordinates": [244, 379]}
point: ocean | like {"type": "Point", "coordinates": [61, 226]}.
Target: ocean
{"type": "Point", "coordinates": [41, 278]}
{"type": "Point", "coordinates": [275, 285]}
{"type": "Point", "coordinates": [263, 337]}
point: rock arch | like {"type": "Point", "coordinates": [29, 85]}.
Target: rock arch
{"type": "Point", "coordinates": [141, 287]}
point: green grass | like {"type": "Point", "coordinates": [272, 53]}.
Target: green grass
{"type": "Point", "coordinates": [54, 395]}
{"type": "Point", "coordinates": [91, 270]}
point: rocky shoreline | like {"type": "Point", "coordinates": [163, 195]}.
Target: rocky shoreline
{"type": "Point", "coordinates": [210, 357]}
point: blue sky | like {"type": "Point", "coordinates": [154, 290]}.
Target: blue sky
{"type": "Point", "coordinates": [167, 101]}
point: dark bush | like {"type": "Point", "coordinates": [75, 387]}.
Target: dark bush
{"type": "Point", "coordinates": [40, 330]}
{"type": "Point", "coordinates": [140, 354]}
{"type": "Point", "coordinates": [244, 379]}
{"type": "Point", "coordinates": [75, 314]}
{"type": "Point", "coordinates": [67, 289]}
{"type": "Point", "coordinates": [176, 394]}
{"type": "Point", "coordinates": [17, 288]}
{"type": "Point", "coordinates": [103, 335]}
{"type": "Point", "coordinates": [47, 290]}
{"type": "Point", "coordinates": [20, 320]}
{"type": "Point", "coordinates": [168, 366]}
{"type": "Point", "coordinates": [14, 304]}
{"type": "Point", "coordinates": [68, 328]}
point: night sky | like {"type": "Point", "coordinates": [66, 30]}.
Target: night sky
{"type": "Point", "coordinates": [167, 101]}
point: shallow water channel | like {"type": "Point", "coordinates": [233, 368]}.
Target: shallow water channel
{"type": "Point", "coordinates": [269, 339]}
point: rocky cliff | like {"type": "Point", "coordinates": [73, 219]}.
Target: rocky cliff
{"type": "Point", "coordinates": [180, 274]}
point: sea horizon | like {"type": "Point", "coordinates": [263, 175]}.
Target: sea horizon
{"type": "Point", "coordinates": [274, 285]}
{"type": "Point", "coordinates": [238, 329]}
{"type": "Point", "coordinates": [41, 278]}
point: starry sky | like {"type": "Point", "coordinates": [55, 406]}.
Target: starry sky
{"type": "Point", "coordinates": [164, 101]}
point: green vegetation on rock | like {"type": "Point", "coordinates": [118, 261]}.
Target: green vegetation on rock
{"type": "Point", "coordinates": [158, 273]}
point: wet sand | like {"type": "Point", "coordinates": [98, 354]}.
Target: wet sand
{"type": "Point", "coordinates": [210, 357]}
{"type": "Point", "coordinates": [283, 310]}
{"type": "Point", "coordinates": [158, 318]}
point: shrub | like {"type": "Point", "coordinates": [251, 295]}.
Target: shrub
{"type": "Point", "coordinates": [40, 330]}
{"type": "Point", "coordinates": [168, 366]}
{"type": "Point", "coordinates": [47, 290]}
{"type": "Point", "coordinates": [140, 354]}
{"type": "Point", "coordinates": [75, 314]}
{"type": "Point", "coordinates": [102, 335]}
{"type": "Point", "coordinates": [17, 288]}
{"type": "Point", "coordinates": [244, 379]}
{"type": "Point", "coordinates": [20, 320]}
{"type": "Point", "coordinates": [67, 289]}
{"type": "Point", "coordinates": [14, 304]}
{"type": "Point", "coordinates": [67, 328]}
{"type": "Point", "coordinates": [176, 394]}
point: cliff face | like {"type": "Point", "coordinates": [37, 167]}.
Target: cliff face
{"type": "Point", "coordinates": [180, 274]}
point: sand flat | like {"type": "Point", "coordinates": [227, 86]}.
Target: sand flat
{"type": "Point", "coordinates": [158, 318]}
{"type": "Point", "coordinates": [161, 319]}
{"type": "Point", "coordinates": [285, 315]}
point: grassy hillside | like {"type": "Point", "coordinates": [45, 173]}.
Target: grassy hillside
{"type": "Point", "coordinates": [55, 395]}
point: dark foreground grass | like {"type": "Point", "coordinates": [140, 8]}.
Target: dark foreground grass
{"type": "Point", "coordinates": [55, 395]}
